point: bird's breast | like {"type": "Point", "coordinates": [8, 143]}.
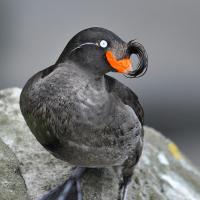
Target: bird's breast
{"type": "Point", "coordinates": [86, 122]}
{"type": "Point", "coordinates": [92, 106]}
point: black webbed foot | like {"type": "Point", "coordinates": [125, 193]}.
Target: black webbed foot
{"type": "Point", "coordinates": [124, 173]}
{"type": "Point", "coordinates": [69, 190]}
{"type": "Point", "coordinates": [123, 188]}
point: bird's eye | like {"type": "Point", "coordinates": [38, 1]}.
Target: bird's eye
{"type": "Point", "coordinates": [103, 43]}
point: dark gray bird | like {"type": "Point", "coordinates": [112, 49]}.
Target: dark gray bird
{"type": "Point", "coordinates": [83, 116]}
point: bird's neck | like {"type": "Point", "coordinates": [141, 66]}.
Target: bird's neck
{"type": "Point", "coordinates": [94, 69]}
{"type": "Point", "coordinates": [88, 73]}
{"type": "Point", "coordinates": [95, 80]}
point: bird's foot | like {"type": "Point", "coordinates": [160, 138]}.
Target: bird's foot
{"type": "Point", "coordinates": [123, 188]}
{"type": "Point", "coordinates": [63, 191]}
{"type": "Point", "coordinates": [73, 180]}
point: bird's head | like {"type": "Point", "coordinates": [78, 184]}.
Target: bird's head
{"type": "Point", "coordinates": [100, 51]}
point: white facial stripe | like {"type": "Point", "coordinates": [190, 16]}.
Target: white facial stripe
{"type": "Point", "coordinates": [87, 43]}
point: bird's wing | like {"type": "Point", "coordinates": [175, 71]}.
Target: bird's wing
{"type": "Point", "coordinates": [126, 95]}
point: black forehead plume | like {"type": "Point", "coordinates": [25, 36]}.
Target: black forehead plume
{"type": "Point", "coordinates": [93, 34]}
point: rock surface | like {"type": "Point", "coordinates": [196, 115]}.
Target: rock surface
{"type": "Point", "coordinates": [12, 185]}
{"type": "Point", "coordinates": [163, 172]}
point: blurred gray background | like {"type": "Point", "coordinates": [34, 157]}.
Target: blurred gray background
{"type": "Point", "coordinates": [33, 34]}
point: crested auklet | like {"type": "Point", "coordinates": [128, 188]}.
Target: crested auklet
{"type": "Point", "coordinates": [83, 116]}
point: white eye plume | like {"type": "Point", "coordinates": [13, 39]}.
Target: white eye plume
{"type": "Point", "coordinates": [103, 43]}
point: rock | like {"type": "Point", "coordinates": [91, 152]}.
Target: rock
{"type": "Point", "coordinates": [12, 184]}
{"type": "Point", "coordinates": [163, 172]}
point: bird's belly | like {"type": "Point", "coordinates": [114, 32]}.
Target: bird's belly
{"type": "Point", "coordinates": [100, 149]}
{"type": "Point", "coordinates": [82, 155]}
{"type": "Point", "coordinates": [98, 137]}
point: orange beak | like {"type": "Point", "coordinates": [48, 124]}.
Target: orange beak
{"type": "Point", "coordinates": [122, 66]}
